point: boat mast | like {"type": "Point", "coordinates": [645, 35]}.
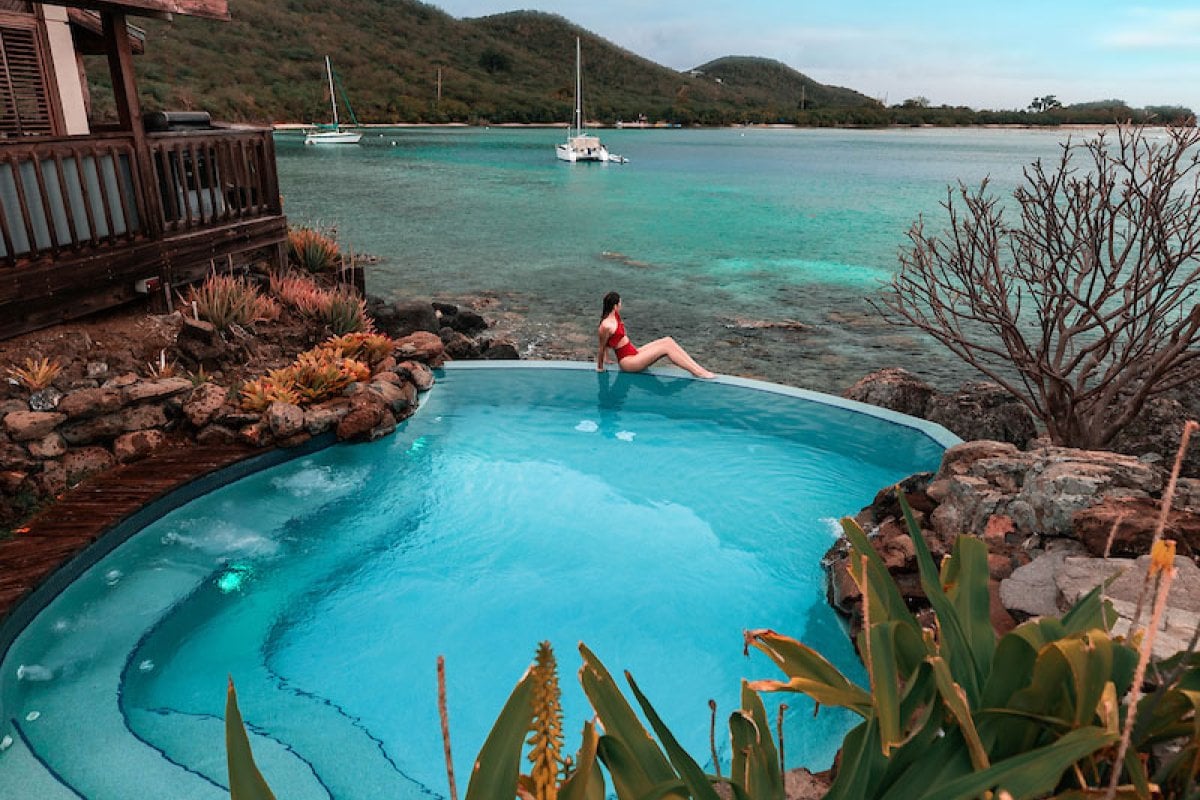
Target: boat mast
{"type": "Point", "coordinates": [578, 89]}
{"type": "Point", "coordinates": [332, 96]}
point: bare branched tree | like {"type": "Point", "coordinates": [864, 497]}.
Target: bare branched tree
{"type": "Point", "coordinates": [1086, 306]}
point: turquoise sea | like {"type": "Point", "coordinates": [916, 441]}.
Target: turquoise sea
{"type": "Point", "coordinates": [756, 248]}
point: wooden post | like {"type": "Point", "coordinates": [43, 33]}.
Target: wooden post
{"type": "Point", "coordinates": [129, 111]}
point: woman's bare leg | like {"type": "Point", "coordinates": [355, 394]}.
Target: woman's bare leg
{"type": "Point", "coordinates": [663, 348]}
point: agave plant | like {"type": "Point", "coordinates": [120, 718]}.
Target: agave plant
{"type": "Point", "coordinates": [346, 312]}
{"type": "Point", "coordinates": [367, 347]}
{"type": "Point", "coordinates": [226, 301]}
{"type": "Point", "coordinates": [313, 251]}
{"type": "Point", "coordinates": [955, 713]}
{"type": "Point", "coordinates": [36, 375]}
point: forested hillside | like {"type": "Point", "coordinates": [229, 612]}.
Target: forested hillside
{"type": "Point", "coordinates": [267, 65]}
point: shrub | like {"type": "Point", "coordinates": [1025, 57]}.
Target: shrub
{"type": "Point", "coordinates": [310, 250]}
{"type": "Point", "coordinates": [368, 347]}
{"type": "Point", "coordinates": [36, 375]}
{"type": "Point", "coordinates": [277, 386]}
{"type": "Point", "coordinates": [318, 375]}
{"type": "Point", "coordinates": [346, 312]}
{"type": "Point", "coordinates": [225, 301]}
{"type": "Point", "coordinates": [299, 292]}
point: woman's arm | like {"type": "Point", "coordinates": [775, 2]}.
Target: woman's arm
{"type": "Point", "coordinates": [603, 351]}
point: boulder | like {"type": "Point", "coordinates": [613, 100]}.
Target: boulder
{"type": "Point", "coordinates": [13, 457]}
{"type": "Point", "coordinates": [368, 415]}
{"type": "Point", "coordinates": [400, 399]}
{"type": "Point", "coordinates": [121, 381]}
{"type": "Point", "coordinates": [9, 406]}
{"type": "Point", "coordinates": [422, 346]}
{"type": "Point", "coordinates": [45, 399]}
{"type": "Point", "coordinates": [983, 410]}
{"type": "Point", "coordinates": [418, 373]}
{"type": "Point", "coordinates": [256, 434]}
{"type": "Point", "coordinates": [800, 784]}
{"type": "Point", "coordinates": [156, 390]}
{"type": "Point", "coordinates": [200, 341]}
{"type": "Point", "coordinates": [893, 388]}
{"type": "Point", "coordinates": [85, 403]}
{"type": "Point", "coordinates": [95, 429]}
{"type": "Point", "coordinates": [52, 446]}
{"type": "Point", "coordinates": [143, 417]}
{"type": "Point", "coordinates": [129, 447]}
{"type": "Point", "coordinates": [1131, 521]}
{"type": "Point", "coordinates": [84, 461]}
{"type": "Point", "coordinates": [325, 416]}
{"type": "Point", "coordinates": [203, 402]}
{"type": "Point", "coordinates": [52, 480]}
{"type": "Point", "coordinates": [1157, 430]}
{"type": "Point", "coordinates": [461, 347]}
{"type": "Point", "coordinates": [410, 317]}
{"type": "Point", "coordinates": [24, 426]}
{"type": "Point", "coordinates": [501, 350]}
{"type": "Point", "coordinates": [214, 434]}
{"type": "Point", "coordinates": [468, 322]}
{"type": "Point", "coordinates": [285, 419]}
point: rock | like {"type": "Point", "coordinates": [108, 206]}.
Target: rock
{"type": "Point", "coordinates": [402, 400]}
{"type": "Point", "coordinates": [143, 417]}
{"type": "Point", "coordinates": [52, 480]}
{"type": "Point", "coordinates": [84, 461]}
{"type": "Point", "coordinates": [285, 419]}
{"type": "Point", "coordinates": [256, 434]}
{"type": "Point", "coordinates": [422, 376]}
{"type": "Point", "coordinates": [11, 480]}
{"type": "Point", "coordinates": [323, 417]}
{"type": "Point", "coordinates": [121, 381]}
{"type": "Point", "coordinates": [461, 347]}
{"type": "Point", "coordinates": [468, 322]}
{"type": "Point", "coordinates": [130, 447]}
{"type": "Point", "coordinates": [234, 417]}
{"type": "Point", "coordinates": [45, 399]}
{"type": "Point", "coordinates": [198, 330]}
{"type": "Point", "coordinates": [844, 592]}
{"type": "Point", "coordinates": [24, 426]}
{"type": "Point", "coordinates": [367, 413]}
{"type": "Point", "coordinates": [96, 370]}
{"type": "Point", "coordinates": [1002, 621]}
{"type": "Point", "coordinates": [501, 350]}
{"type": "Point", "coordinates": [422, 346]}
{"type": "Point", "coordinates": [84, 403]}
{"type": "Point", "coordinates": [997, 529]}
{"type": "Point", "coordinates": [203, 403]}
{"type": "Point", "coordinates": [411, 317]}
{"type": "Point", "coordinates": [1157, 430]}
{"type": "Point", "coordinates": [216, 434]}
{"type": "Point", "coordinates": [894, 388]}
{"type": "Point", "coordinates": [800, 784]}
{"type": "Point", "coordinates": [52, 446]}
{"type": "Point", "coordinates": [295, 440]}
{"type": "Point", "coordinates": [9, 406]}
{"type": "Point", "coordinates": [13, 457]}
{"type": "Point", "coordinates": [983, 410]}
{"type": "Point", "coordinates": [1039, 491]}
{"type": "Point", "coordinates": [1031, 590]}
{"type": "Point", "coordinates": [96, 429]}
{"type": "Point", "coordinates": [388, 377]}
{"type": "Point", "coordinates": [156, 390]}
{"type": "Point", "coordinates": [1187, 494]}
{"type": "Point", "coordinates": [1135, 519]}
{"type": "Point", "coordinates": [445, 309]}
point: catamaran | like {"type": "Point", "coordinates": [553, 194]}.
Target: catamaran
{"type": "Point", "coordinates": [333, 134]}
{"type": "Point", "coordinates": [579, 145]}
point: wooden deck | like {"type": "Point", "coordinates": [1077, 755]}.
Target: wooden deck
{"type": "Point", "coordinates": [95, 507]}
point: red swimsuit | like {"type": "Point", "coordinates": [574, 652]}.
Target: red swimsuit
{"type": "Point", "coordinates": [625, 350]}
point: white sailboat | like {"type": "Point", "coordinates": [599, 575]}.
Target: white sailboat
{"type": "Point", "coordinates": [579, 146]}
{"type": "Point", "coordinates": [334, 134]}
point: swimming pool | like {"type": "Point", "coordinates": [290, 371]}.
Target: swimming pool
{"type": "Point", "coordinates": [650, 516]}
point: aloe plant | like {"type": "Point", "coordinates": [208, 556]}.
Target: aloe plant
{"type": "Point", "coordinates": [245, 781]}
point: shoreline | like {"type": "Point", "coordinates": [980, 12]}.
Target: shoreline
{"type": "Point", "coordinates": [297, 127]}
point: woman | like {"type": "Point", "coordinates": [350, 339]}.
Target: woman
{"type": "Point", "coordinates": [630, 358]}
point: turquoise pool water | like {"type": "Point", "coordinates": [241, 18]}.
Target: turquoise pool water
{"type": "Point", "coordinates": [650, 516]}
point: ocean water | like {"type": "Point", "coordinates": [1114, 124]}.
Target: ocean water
{"type": "Point", "coordinates": [757, 249]}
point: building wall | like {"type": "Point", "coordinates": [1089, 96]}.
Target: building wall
{"type": "Point", "coordinates": [66, 71]}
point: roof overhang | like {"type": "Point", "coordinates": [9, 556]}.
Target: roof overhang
{"type": "Point", "coordinates": [213, 9]}
{"type": "Point", "coordinates": [89, 33]}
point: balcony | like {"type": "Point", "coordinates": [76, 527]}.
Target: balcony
{"type": "Point", "coordinates": [83, 219]}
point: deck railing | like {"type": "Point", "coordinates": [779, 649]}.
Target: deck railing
{"type": "Point", "coordinates": [65, 196]}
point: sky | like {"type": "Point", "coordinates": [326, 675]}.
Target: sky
{"type": "Point", "coordinates": [997, 55]}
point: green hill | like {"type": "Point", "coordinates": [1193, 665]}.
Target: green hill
{"type": "Point", "coordinates": [267, 65]}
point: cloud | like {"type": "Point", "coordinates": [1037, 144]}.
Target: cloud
{"type": "Point", "coordinates": [1157, 30]}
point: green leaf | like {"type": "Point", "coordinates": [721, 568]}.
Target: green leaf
{"type": "Point", "coordinates": [763, 780]}
{"type": "Point", "coordinates": [629, 779]}
{"type": "Point", "coordinates": [808, 672]}
{"type": "Point", "coordinates": [499, 761]}
{"type": "Point", "coordinates": [1090, 611]}
{"type": "Point", "coordinates": [885, 644]}
{"type": "Point", "coordinates": [1028, 775]}
{"type": "Point", "coordinates": [861, 765]}
{"type": "Point", "coordinates": [587, 781]}
{"type": "Point", "coordinates": [886, 602]}
{"type": "Point", "coordinates": [956, 701]}
{"type": "Point", "coordinates": [967, 668]}
{"type": "Point", "coordinates": [620, 722]}
{"type": "Point", "coordinates": [693, 776]}
{"type": "Point", "coordinates": [245, 781]}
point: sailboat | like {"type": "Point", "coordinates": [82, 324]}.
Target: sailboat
{"type": "Point", "coordinates": [579, 146]}
{"type": "Point", "coordinates": [333, 134]}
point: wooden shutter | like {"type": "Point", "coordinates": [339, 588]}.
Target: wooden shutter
{"type": "Point", "coordinates": [24, 96]}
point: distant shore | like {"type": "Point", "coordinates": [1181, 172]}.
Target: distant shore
{"type": "Point", "coordinates": [303, 126]}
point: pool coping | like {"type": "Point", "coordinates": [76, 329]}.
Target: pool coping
{"type": "Point", "coordinates": [943, 437]}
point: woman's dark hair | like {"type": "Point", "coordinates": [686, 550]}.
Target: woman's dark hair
{"type": "Point", "coordinates": [610, 302]}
